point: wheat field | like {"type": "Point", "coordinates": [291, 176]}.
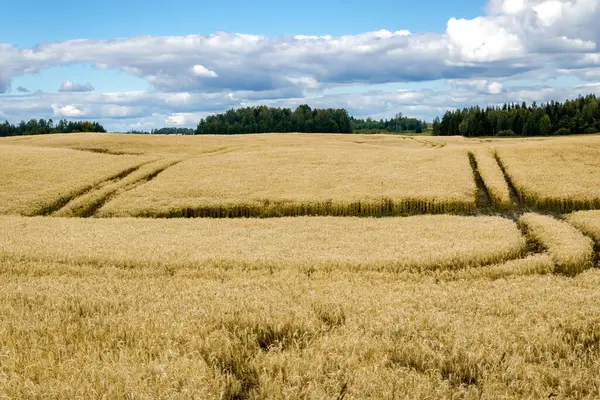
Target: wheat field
{"type": "Point", "coordinates": [85, 332]}
{"type": "Point", "coordinates": [36, 180]}
{"type": "Point", "coordinates": [337, 291]}
{"type": "Point", "coordinates": [343, 181]}
{"type": "Point", "coordinates": [555, 175]}
{"type": "Point", "coordinates": [417, 243]}
{"type": "Point", "coordinates": [588, 222]}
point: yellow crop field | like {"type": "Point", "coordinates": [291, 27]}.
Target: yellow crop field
{"type": "Point", "coordinates": [558, 175]}
{"type": "Point", "coordinates": [417, 243]}
{"type": "Point", "coordinates": [337, 291]}
{"type": "Point", "coordinates": [89, 332]}
{"type": "Point", "coordinates": [307, 181]}
{"type": "Point", "coordinates": [36, 181]}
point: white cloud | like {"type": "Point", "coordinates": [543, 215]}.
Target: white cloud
{"type": "Point", "coordinates": [481, 86]}
{"type": "Point", "coordinates": [495, 88]}
{"type": "Point", "coordinates": [510, 39]}
{"type": "Point", "coordinates": [307, 82]}
{"type": "Point", "coordinates": [70, 87]}
{"type": "Point", "coordinates": [549, 12]}
{"type": "Point", "coordinates": [482, 40]}
{"type": "Point", "coordinates": [184, 119]}
{"type": "Point", "coordinates": [202, 71]}
{"type": "Point", "coordinates": [66, 111]}
{"type": "Point", "coordinates": [513, 6]}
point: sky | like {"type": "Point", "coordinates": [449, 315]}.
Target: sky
{"type": "Point", "coordinates": [148, 64]}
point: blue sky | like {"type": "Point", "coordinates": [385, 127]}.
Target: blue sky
{"type": "Point", "coordinates": [145, 64]}
{"type": "Point", "coordinates": [62, 20]}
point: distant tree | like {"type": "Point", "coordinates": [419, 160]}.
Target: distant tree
{"type": "Point", "coordinates": [545, 125]}
{"type": "Point", "coordinates": [437, 127]}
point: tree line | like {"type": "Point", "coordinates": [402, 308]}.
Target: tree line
{"type": "Point", "coordinates": [399, 123]}
{"type": "Point", "coordinates": [45, 127]}
{"type": "Point", "coordinates": [581, 115]}
{"type": "Point", "coordinates": [265, 119]}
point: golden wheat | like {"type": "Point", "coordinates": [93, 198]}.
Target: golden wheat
{"type": "Point", "coordinates": [285, 335]}
{"type": "Point", "coordinates": [535, 264]}
{"type": "Point", "coordinates": [559, 175]}
{"type": "Point", "coordinates": [414, 243]}
{"type": "Point", "coordinates": [588, 222]}
{"type": "Point", "coordinates": [306, 307]}
{"type": "Point", "coordinates": [206, 144]}
{"type": "Point", "coordinates": [307, 181]}
{"type": "Point", "coordinates": [37, 180]}
{"type": "Point", "coordinates": [569, 248]}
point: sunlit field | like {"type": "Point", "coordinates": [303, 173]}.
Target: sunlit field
{"type": "Point", "coordinates": [299, 266]}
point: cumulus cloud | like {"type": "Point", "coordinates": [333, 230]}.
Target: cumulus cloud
{"type": "Point", "coordinates": [184, 119]}
{"type": "Point", "coordinates": [495, 88]}
{"type": "Point", "coordinates": [478, 86]}
{"type": "Point", "coordinates": [22, 89]}
{"type": "Point", "coordinates": [482, 40]}
{"type": "Point", "coordinates": [66, 111]}
{"type": "Point", "coordinates": [202, 71]}
{"type": "Point", "coordinates": [70, 87]}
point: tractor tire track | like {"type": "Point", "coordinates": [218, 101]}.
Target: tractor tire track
{"type": "Point", "coordinates": [87, 205]}
{"type": "Point", "coordinates": [64, 200]}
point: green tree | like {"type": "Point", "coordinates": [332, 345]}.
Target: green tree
{"type": "Point", "coordinates": [545, 125]}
